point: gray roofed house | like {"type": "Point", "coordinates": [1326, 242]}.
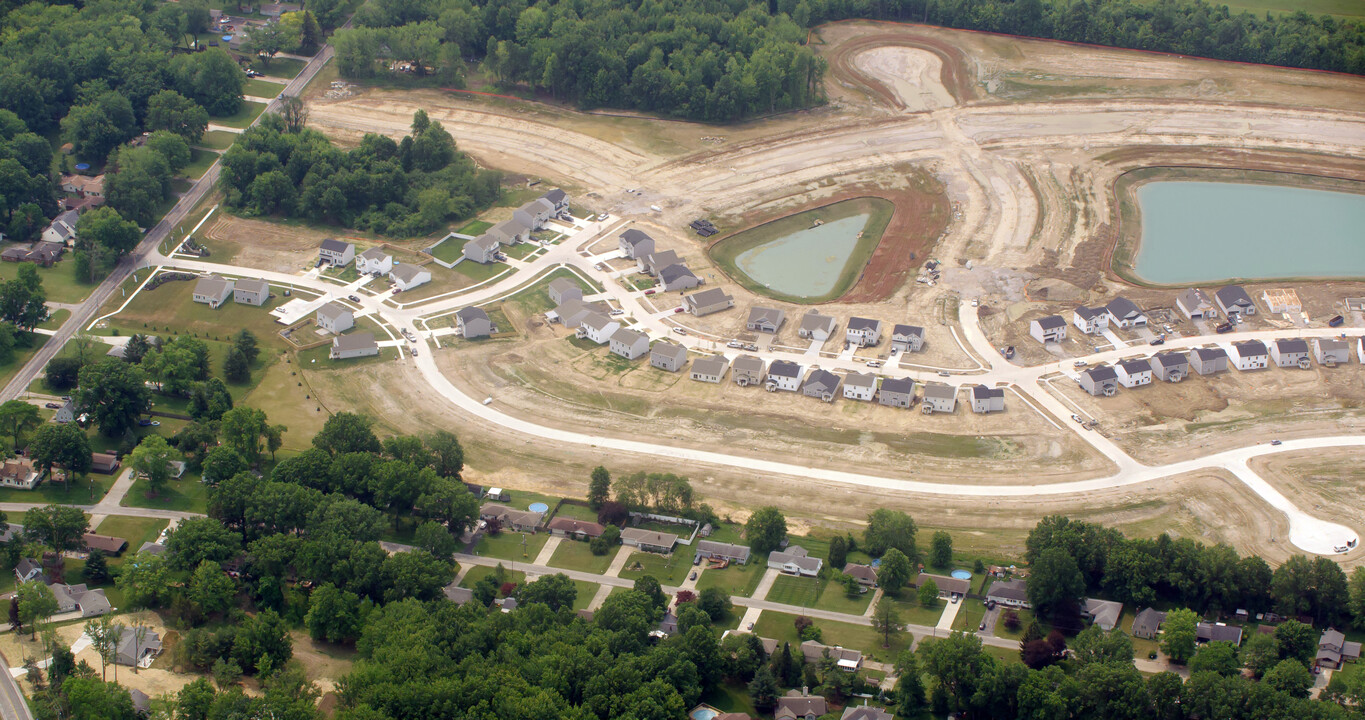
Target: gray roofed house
{"type": "Point", "coordinates": [864, 574]}
{"type": "Point", "coordinates": [570, 313]}
{"type": "Point", "coordinates": [1170, 366]}
{"type": "Point", "coordinates": [375, 260]}
{"type": "Point", "coordinates": [1234, 300]}
{"type": "Point", "coordinates": [65, 414]}
{"type": "Point", "coordinates": [710, 369]}
{"type": "Point", "coordinates": [897, 392]}
{"type": "Point", "coordinates": [748, 370]}
{"type": "Point", "coordinates": [1090, 320]}
{"type": "Point", "coordinates": [865, 712]}
{"type": "Point", "coordinates": [635, 244]}
{"type": "Point", "coordinates": [800, 705]}
{"type": "Point", "coordinates": [345, 347]}
{"type": "Point", "coordinates": [678, 277]}
{"type": "Point", "coordinates": [563, 289]}
{"type": "Point", "coordinates": [11, 531]}
{"type": "Point", "coordinates": [559, 199]}
{"type": "Point", "coordinates": [863, 332]}
{"type": "Point", "coordinates": [512, 518]}
{"type": "Point", "coordinates": [860, 386]}
{"type": "Point", "coordinates": [473, 322]}
{"type": "Point", "coordinates": [784, 375]}
{"type": "Point", "coordinates": [27, 569]}
{"type": "Point", "coordinates": [1009, 592]}
{"type": "Point", "coordinates": [507, 604]}
{"type": "Point", "coordinates": [1147, 623]}
{"type": "Point", "coordinates": [822, 384]}
{"type": "Point", "coordinates": [141, 703]}
{"type": "Point", "coordinates": [1104, 613]}
{"type": "Point", "coordinates": [1134, 372]}
{"type": "Point", "coordinates": [846, 659]}
{"type": "Point", "coordinates": [939, 398]}
{"type": "Point", "coordinates": [154, 548]}
{"type": "Point", "coordinates": [134, 651]}
{"type": "Point", "coordinates": [251, 291]}
{"type": "Point", "coordinates": [62, 229]}
{"type": "Point", "coordinates": [482, 249]}
{"type": "Point", "coordinates": [1250, 355]}
{"type": "Point", "coordinates": [1195, 303]}
{"type": "Point", "coordinates": [987, 399]}
{"type": "Point", "coordinates": [947, 586]}
{"type": "Point", "coordinates": [1048, 329]}
{"type": "Point", "coordinates": [723, 551]}
{"type": "Point", "coordinates": [212, 290]}
{"type": "Point", "coordinates": [794, 561]}
{"type": "Point", "coordinates": [907, 338]}
{"type": "Point", "coordinates": [652, 263]}
{"type": "Point", "coordinates": [1100, 380]}
{"type": "Point", "coordinates": [72, 598]}
{"type": "Point", "coordinates": [408, 276]}
{"type": "Point", "coordinates": [599, 328]}
{"type": "Point", "coordinates": [666, 355]}
{"type": "Point", "coordinates": [815, 326]}
{"type": "Point", "coordinates": [336, 252]}
{"type": "Point", "coordinates": [708, 301]}
{"type": "Point", "coordinates": [1290, 352]}
{"type": "Point", "coordinates": [649, 540]}
{"type": "Point", "coordinates": [1217, 632]}
{"type": "Point", "coordinates": [510, 232]}
{"type": "Point", "coordinates": [569, 527]}
{"type": "Point", "coordinates": [1208, 361]}
{"type": "Point", "coordinates": [1331, 352]}
{"type": "Point", "coordinates": [1334, 649]}
{"type": "Point", "coordinates": [335, 317]}
{"type": "Point", "coordinates": [629, 344]}
{"type": "Point", "coordinates": [763, 319]}
{"type": "Point", "coordinates": [1125, 313]}
{"type": "Point", "coordinates": [536, 213]}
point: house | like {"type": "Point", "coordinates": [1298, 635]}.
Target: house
{"type": "Point", "coordinates": [251, 291]}
{"type": "Point", "coordinates": [1090, 320]}
{"type": "Point", "coordinates": [142, 704]}
{"type": "Point", "coordinates": [1101, 380]}
{"type": "Point", "coordinates": [762, 319]}
{"type": "Point", "coordinates": [535, 214]}
{"type": "Point", "coordinates": [473, 322]}
{"type": "Point", "coordinates": [74, 598]}
{"type": "Point", "coordinates": [649, 540]}
{"type": "Point", "coordinates": [667, 355]}
{"type": "Point", "coordinates": [408, 276]}
{"type": "Point", "coordinates": [107, 544]}
{"type": "Point", "coordinates": [103, 462]}
{"type": "Point", "coordinates": [863, 332]}
{"type": "Point", "coordinates": [563, 289]}
{"type": "Point", "coordinates": [907, 338]}
{"type": "Point", "coordinates": [1013, 593]}
{"type": "Point", "coordinates": [577, 529]}
{"type": "Point", "coordinates": [456, 594]}
{"type": "Point", "coordinates": [866, 575]}
{"type": "Point", "coordinates": [948, 587]}
{"type": "Point", "coordinates": [1125, 313]}
{"type": "Point", "coordinates": [1048, 329]}
{"type": "Point", "coordinates": [336, 253]}
{"type": "Point", "coordinates": [511, 518]}
{"type": "Point", "coordinates": [815, 326]}
{"type": "Point", "coordinates": [1104, 613]}
{"type": "Point", "coordinates": [939, 398]}
{"type": "Point", "coordinates": [212, 290]}
{"type": "Point", "coordinates": [865, 712]}
{"type": "Point", "coordinates": [482, 249]}
{"type": "Point", "coordinates": [65, 414]}
{"type": "Point", "coordinates": [1147, 623]}
{"type": "Point", "coordinates": [822, 384]}
{"type": "Point", "coordinates": [374, 262]}
{"type": "Point", "coordinates": [154, 548]}
{"type": "Point", "coordinates": [510, 232]}
{"type": "Point", "coordinates": [987, 399]}
{"type": "Point", "coordinates": [708, 301]}
{"type": "Point", "coordinates": [784, 375]}
{"type": "Point", "coordinates": [1333, 649]}
{"type": "Point", "coordinates": [748, 370]}
{"type": "Point", "coordinates": [1331, 352]}
{"type": "Point", "coordinates": [846, 659]}
{"type": "Point", "coordinates": [1217, 632]}
{"type": "Point", "coordinates": [1282, 301]}
{"type": "Point", "coordinates": [635, 244]}
{"type": "Point", "coordinates": [275, 10]}
{"type": "Point", "coordinates": [137, 651]}
{"type": "Point", "coordinates": [1195, 304]}
{"type": "Point", "coordinates": [506, 604]}
{"type": "Point", "coordinates": [27, 570]}
{"type": "Point", "coordinates": [1290, 352]}
{"type": "Point", "coordinates": [1234, 300]}
{"type": "Point", "coordinates": [1250, 355]}
{"type": "Point", "coordinates": [860, 386]}
{"type": "Point", "coordinates": [896, 392]}
{"type": "Point", "coordinates": [598, 328]}
{"type": "Point", "coordinates": [1209, 361]}
{"type": "Point", "coordinates": [712, 550]}
{"type": "Point", "coordinates": [345, 347]}
{"type": "Point", "coordinates": [667, 627]}
{"type": "Point", "coordinates": [652, 263]}
{"type": "Point", "coordinates": [19, 473]}
{"type": "Point", "coordinates": [83, 185]}
{"type": "Point", "coordinates": [559, 200]}
{"type": "Point", "coordinates": [1135, 372]}
{"type": "Point", "coordinates": [794, 560]}
{"type": "Point", "coordinates": [678, 277]}
{"type": "Point", "coordinates": [335, 317]}
{"type": "Point", "coordinates": [570, 313]}
{"type": "Point", "coordinates": [62, 229]}
{"type": "Point", "coordinates": [710, 369]}
{"type": "Point", "coordinates": [800, 705]}
{"type": "Point", "coordinates": [630, 344]}
{"type": "Point", "coordinates": [1171, 366]}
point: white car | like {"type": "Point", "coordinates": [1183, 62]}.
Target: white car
{"type": "Point", "coordinates": [1079, 364]}
{"type": "Point", "coordinates": [679, 331]}
{"type": "Point", "coordinates": [734, 344]}
{"type": "Point", "coordinates": [874, 363]}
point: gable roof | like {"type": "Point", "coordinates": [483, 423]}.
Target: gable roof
{"type": "Point", "coordinates": [822, 378]}
{"type": "Point", "coordinates": [213, 286]}
{"type": "Point", "coordinates": [106, 543]}
{"type": "Point", "coordinates": [1292, 345]}
{"type": "Point", "coordinates": [333, 310]}
{"type": "Point", "coordinates": [354, 341]}
{"type": "Point", "coordinates": [668, 348]}
{"type": "Point", "coordinates": [1209, 354]}
{"type": "Point", "coordinates": [484, 242]}
{"type": "Point", "coordinates": [1122, 307]}
{"type": "Point", "coordinates": [784, 368]}
{"type": "Point", "coordinates": [649, 537]}
{"type": "Point", "coordinates": [1233, 295]}
{"type": "Point", "coordinates": [709, 297]}
{"type": "Point", "coordinates": [253, 285]}
{"type": "Point", "coordinates": [675, 271]}
{"type": "Point", "coordinates": [555, 196]}
{"type": "Point", "coordinates": [1009, 589]}
{"type": "Point", "coordinates": [375, 253]}
{"type": "Point", "coordinates": [857, 379]}
{"type": "Point", "coordinates": [1051, 322]}
{"type": "Point", "coordinates": [862, 323]}
{"type": "Point", "coordinates": [1148, 622]}
{"type": "Point", "coordinates": [570, 525]}
{"type": "Point", "coordinates": [898, 385]}
{"type": "Point", "coordinates": [1135, 366]}
{"type": "Point", "coordinates": [1171, 359]}
{"type": "Point", "coordinates": [714, 365]}
{"type": "Point", "coordinates": [1089, 313]}
{"type": "Point", "coordinates": [634, 237]}
{"type": "Point", "coordinates": [862, 572]}
{"type": "Point", "coordinates": [772, 315]}
{"type": "Point", "coordinates": [562, 284]}
{"type": "Point", "coordinates": [748, 363]}
{"type": "Point", "coordinates": [1101, 373]}
{"type": "Point", "coordinates": [813, 321]}
{"type": "Point", "coordinates": [1211, 632]}
{"type": "Point", "coordinates": [795, 555]}
{"type": "Point", "coordinates": [1250, 348]}
{"type": "Point", "coordinates": [1193, 299]}
{"type": "Point", "coordinates": [626, 336]}
{"type": "Point", "coordinates": [333, 245]}
{"type": "Point", "coordinates": [596, 320]}
{"type": "Point", "coordinates": [908, 331]}
{"type": "Point", "coordinates": [865, 712]}
{"type": "Point", "coordinates": [469, 314]}
{"type": "Point", "coordinates": [720, 548]}
{"type": "Point", "coordinates": [662, 259]}
{"type": "Point", "coordinates": [982, 392]}
{"type": "Point", "coordinates": [406, 272]}
{"type": "Point", "coordinates": [939, 391]}
{"type": "Point", "coordinates": [1104, 613]}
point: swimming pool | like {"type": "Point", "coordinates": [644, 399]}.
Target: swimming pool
{"type": "Point", "coordinates": [962, 574]}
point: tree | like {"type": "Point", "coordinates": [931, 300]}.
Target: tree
{"type": "Point", "coordinates": [765, 530]}
{"type": "Point", "coordinates": [1178, 635]}
{"type": "Point", "coordinates": [909, 690]}
{"type": "Point", "coordinates": [649, 585]}
{"type": "Point", "coordinates": [294, 111]}
{"type": "Point", "coordinates": [152, 459]}
{"type": "Point", "coordinates": [941, 551]}
{"type": "Point", "coordinates": [263, 641]}
{"type": "Point", "coordinates": [198, 539]}
{"type": "Point", "coordinates": [136, 348]}
{"type": "Point", "coordinates": [17, 418]}
{"type": "Point", "coordinates": [115, 394]}
{"type": "Point", "coordinates": [1040, 653]}
{"type": "Point", "coordinates": [838, 552]}
{"type": "Point", "coordinates": [959, 665]}
{"type": "Point", "coordinates": [715, 603]}
{"type": "Point", "coordinates": [1260, 652]}
{"type": "Point", "coordinates": [1296, 641]}
{"type": "Point", "coordinates": [210, 589]}
{"type": "Point", "coordinates": [447, 454]}
{"type": "Point", "coordinates": [1219, 657]}
{"type": "Point", "coordinates": [888, 529]}
{"type": "Point", "coordinates": [63, 373]}
{"type": "Point", "coordinates": [245, 341]}
{"type": "Point", "coordinates": [245, 430]}
{"type": "Point", "coordinates": [414, 574]}
{"type": "Point", "coordinates": [266, 41]}
{"type": "Point", "coordinates": [333, 614]}
{"type": "Point", "coordinates": [1055, 585]}
{"type": "Point", "coordinates": [1290, 677]}
{"type": "Point", "coordinates": [887, 622]}
{"type": "Point", "coordinates": [347, 433]}
{"type": "Point", "coordinates": [1095, 645]}
{"type": "Point", "coordinates": [145, 581]}
{"type": "Point", "coordinates": [599, 487]}
{"type": "Point", "coordinates": [98, 127]}
{"type": "Point", "coordinates": [96, 570]}
{"type": "Point", "coordinates": [172, 147]}
{"type": "Point", "coordinates": [60, 527]}
{"type": "Point", "coordinates": [1357, 591]}
{"type": "Point", "coordinates": [221, 463]}
{"type": "Point", "coordinates": [103, 636]}
{"type": "Point", "coordinates": [236, 368]}
{"type": "Point", "coordinates": [604, 543]}
{"type": "Point", "coordinates": [211, 78]}
{"type": "Point", "coordinates": [763, 690]}
{"type": "Point", "coordinates": [894, 572]}
{"type": "Point", "coordinates": [169, 110]}
{"type": "Point", "coordinates": [36, 603]}
{"type": "Point", "coordinates": [928, 594]}
{"type": "Point", "coordinates": [556, 591]}
{"type": "Point", "coordinates": [140, 182]}
{"type": "Point", "coordinates": [209, 400]}
{"type": "Point", "coordinates": [436, 539]}
{"type": "Point", "coordinates": [22, 301]}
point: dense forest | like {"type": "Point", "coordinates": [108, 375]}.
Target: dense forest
{"type": "Point", "coordinates": [719, 60]}
{"type": "Point", "coordinates": [403, 189]}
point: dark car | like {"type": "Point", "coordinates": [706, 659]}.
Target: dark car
{"type": "Point", "coordinates": [1223, 328]}
{"type": "Point", "coordinates": [1158, 341]}
{"type": "Point", "coordinates": [53, 406]}
{"type": "Point", "coordinates": [353, 298]}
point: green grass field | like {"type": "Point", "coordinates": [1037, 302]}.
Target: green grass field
{"type": "Point", "coordinates": [133, 529]}
{"type": "Point", "coordinates": [734, 580]}
{"type": "Point", "coordinates": [200, 162]}
{"type": "Point", "coordinates": [670, 570]}
{"type": "Point", "coordinates": [475, 228]}
{"type": "Point", "coordinates": [449, 250]}
{"type": "Point", "coordinates": [262, 88]}
{"type": "Point", "coordinates": [22, 354]}
{"type": "Point", "coordinates": [913, 613]}
{"type": "Point", "coordinates": [218, 139]}
{"type": "Point", "coordinates": [536, 297]}
{"type": "Point", "coordinates": [187, 494]}
{"type": "Point", "coordinates": [82, 492]}
{"type": "Point", "coordinates": [586, 592]}
{"type": "Point", "coordinates": [508, 545]}
{"type": "Point", "coordinates": [781, 627]}
{"type": "Point", "coordinates": [478, 572]}
{"type": "Point", "coordinates": [478, 272]}
{"type": "Point", "coordinates": [281, 67]}
{"type": "Point", "coordinates": [1339, 8]}
{"type": "Point", "coordinates": [574, 555]}
{"type": "Point", "coordinates": [242, 118]}
{"type": "Point", "coordinates": [813, 593]}
{"type": "Point", "coordinates": [521, 250]}
{"type": "Point", "coordinates": [59, 281]}
{"type": "Point", "coordinates": [55, 319]}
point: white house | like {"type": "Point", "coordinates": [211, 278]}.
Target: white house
{"type": "Point", "coordinates": [1125, 314]}
{"type": "Point", "coordinates": [794, 560]}
{"type": "Point", "coordinates": [597, 327]}
{"type": "Point", "coordinates": [863, 332]}
{"type": "Point", "coordinates": [407, 276]}
{"type": "Point", "coordinates": [938, 398]}
{"type": "Point", "coordinates": [1195, 303]}
{"type": "Point", "coordinates": [212, 290]}
{"type": "Point", "coordinates": [1234, 300]}
{"type": "Point", "coordinates": [1048, 329]}
{"type": "Point", "coordinates": [482, 249]}
{"type": "Point", "coordinates": [1132, 373]}
{"type": "Point", "coordinates": [1090, 320]}
{"type": "Point", "coordinates": [1250, 355]}
{"type": "Point", "coordinates": [62, 229]}
{"type": "Point", "coordinates": [631, 344]}
{"type": "Point", "coordinates": [354, 345]}
{"type": "Point", "coordinates": [1331, 352]}
{"type": "Point", "coordinates": [815, 326]}
{"type": "Point", "coordinates": [335, 317]}
{"type": "Point", "coordinates": [710, 369]}
{"type": "Point", "coordinates": [559, 200]}
{"type": "Point", "coordinates": [987, 399]}
{"type": "Point", "coordinates": [336, 252]}
{"type": "Point", "coordinates": [907, 338]}
{"type": "Point", "coordinates": [563, 289]}
{"type": "Point", "coordinates": [860, 386]}
{"type": "Point", "coordinates": [1290, 352]}
{"type": "Point", "coordinates": [784, 375]}
{"type": "Point", "coordinates": [374, 262]}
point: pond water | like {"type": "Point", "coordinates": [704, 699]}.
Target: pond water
{"type": "Point", "coordinates": [1208, 231]}
{"type": "Point", "coordinates": [806, 263]}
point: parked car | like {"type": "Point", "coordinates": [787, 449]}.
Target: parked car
{"type": "Point", "coordinates": [678, 310]}
{"type": "Point", "coordinates": [1079, 364]}
{"type": "Point", "coordinates": [874, 363]}
{"type": "Point", "coordinates": [353, 298]}
{"type": "Point", "coordinates": [1275, 442]}
{"type": "Point", "coordinates": [618, 311]}
{"type": "Point", "coordinates": [1223, 328]}
{"type": "Point", "coordinates": [944, 373]}
{"type": "Point", "coordinates": [982, 626]}
{"type": "Point", "coordinates": [1158, 341]}
{"type": "Point", "coordinates": [53, 406]}
{"type": "Point", "coordinates": [734, 344]}
{"type": "Point", "coordinates": [679, 331]}
{"type": "Point", "coordinates": [650, 292]}
{"type": "Point", "coordinates": [1077, 418]}
{"type": "Point", "coordinates": [693, 576]}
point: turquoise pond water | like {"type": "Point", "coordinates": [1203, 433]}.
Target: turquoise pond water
{"type": "Point", "coordinates": [806, 263]}
{"type": "Point", "coordinates": [1196, 232]}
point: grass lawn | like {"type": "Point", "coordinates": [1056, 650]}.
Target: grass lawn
{"type": "Point", "coordinates": [1340, 8]}
{"type": "Point", "coordinates": [82, 492]}
{"type": "Point", "coordinates": [217, 139]}
{"type": "Point", "coordinates": [670, 570]}
{"type": "Point", "coordinates": [449, 250]}
{"type": "Point", "coordinates": [913, 613]}
{"type": "Point", "coordinates": [478, 572]}
{"type": "Point", "coordinates": [521, 250]}
{"type": "Point", "coordinates": [55, 319]}
{"type": "Point", "coordinates": [59, 281]}
{"type": "Point", "coordinates": [242, 118]}
{"type": "Point", "coordinates": [780, 627]}
{"type": "Point", "coordinates": [576, 512]}
{"type": "Point", "coordinates": [200, 161]}
{"type": "Point", "coordinates": [508, 545]}
{"type": "Point", "coordinates": [536, 297]}
{"type": "Point", "coordinates": [281, 67]}
{"type": "Point", "coordinates": [478, 272]}
{"type": "Point", "coordinates": [187, 494]}
{"type": "Point", "coordinates": [811, 592]}
{"type": "Point", "coordinates": [257, 87]}
{"type": "Point", "coordinates": [731, 698]}
{"type": "Point", "coordinates": [1025, 619]}
{"type": "Point", "coordinates": [574, 555]}
{"type": "Point", "coordinates": [737, 580]}
{"type": "Point", "coordinates": [969, 617]}
{"type": "Point", "coordinates": [475, 228]}
{"type": "Point", "coordinates": [21, 354]}
{"type": "Point", "coordinates": [586, 592]}
{"type": "Point", "coordinates": [133, 529]}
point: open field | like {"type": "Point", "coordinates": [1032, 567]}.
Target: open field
{"type": "Point", "coordinates": [59, 281]}
{"type": "Point", "coordinates": [1340, 8]}
{"type": "Point", "coordinates": [242, 118]}
{"type": "Point", "coordinates": [262, 88]}
{"type": "Point", "coordinates": [218, 139]}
